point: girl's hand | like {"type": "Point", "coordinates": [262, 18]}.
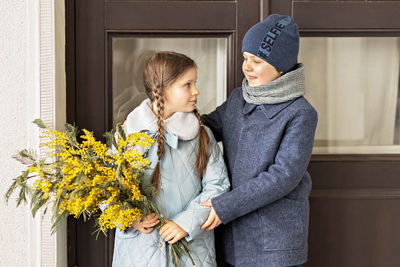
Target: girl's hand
{"type": "Point", "coordinates": [146, 226]}
{"type": "Point", "coordinates": [171, 232]}
{"type": "Point", "coordinates": [212, 220]}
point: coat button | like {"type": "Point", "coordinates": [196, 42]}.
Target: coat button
{"type": "Point", "coordinates": [159, 244]}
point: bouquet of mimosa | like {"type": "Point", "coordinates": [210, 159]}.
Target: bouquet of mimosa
{"type": "Point", "coordinates": [77, 177]}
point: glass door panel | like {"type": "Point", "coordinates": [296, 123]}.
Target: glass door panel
{"type": "Point", "coordinates": [354, 85]}
{"type": "Point", "coordinates": [129, 55]}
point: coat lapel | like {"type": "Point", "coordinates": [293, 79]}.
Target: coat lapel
{"type": "Point", "coordinates": [271, 110]}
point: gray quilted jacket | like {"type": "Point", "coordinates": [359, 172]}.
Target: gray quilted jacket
{"type": "Point", "coordinates": [180, 194]}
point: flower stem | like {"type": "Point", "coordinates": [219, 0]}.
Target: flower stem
{"type": "Point", "coordinates": [177, 249]}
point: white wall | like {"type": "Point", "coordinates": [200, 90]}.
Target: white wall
{"type": "Point", "coordinates": [14, 134]}
{"type": "Point", "coordinates": [27, 28]}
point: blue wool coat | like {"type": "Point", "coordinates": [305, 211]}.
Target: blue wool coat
{"type": "Point", "coordinates": [180, 194]}
{"type": "Point", "coordinates": [267, 149]}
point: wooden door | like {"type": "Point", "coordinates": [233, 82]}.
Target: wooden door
{"type": "Point", "coordinates": [355, 197]}
{"type": "Point", "coordinates": [91, 28]}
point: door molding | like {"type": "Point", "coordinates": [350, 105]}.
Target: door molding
{"type": "Point", "coordinates": [46, 69]}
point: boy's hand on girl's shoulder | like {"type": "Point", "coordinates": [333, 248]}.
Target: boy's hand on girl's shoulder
{"type": "Point", "coordinates": [147, 225]}
{"type": "Point", "coordinates": [172, 232]}
{"type": "Point", "coordinates": [213, 220]}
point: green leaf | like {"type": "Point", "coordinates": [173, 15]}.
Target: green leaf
{"type": "Point", "coordinates": [76, 193]}
{"type": "Point", "coordinates": [118, 173]}
{"type": "Point", "coordinates": [127, 206]}
{"type": "Point", "coordinates": [80, 177]}
{"type": "Point", "coordinates": [40, 124]}
{"type": "Point", "coordinates": [56, 208]}
{"type": "Point", "coordinates": [84, 215]}
{"type": "Point", "coordinates": [178, 249]}
{"type": "Point", "coordinates": [14, 186]}
{"type": "Point", "coordinates": [185, 249]}
{"type": "Point", "coordinates": [174, 254]}
{"type": "Point", "coordinates": [97, 232]}
{"type": "Point", "coordinates": [25, 157]}
{"type": "Point", "coordinates": [71, 131]}
{"type": "Point", "coordinates": [109, 136]}
{"type": "Point", "coordinates": [10, 191]}
{"type": "Point", "coordinates": [121, 131]}
{"type": "Point", "coordinates": [24, 188]}
{"type": "Point", "coordinates": [149, 191]}
{"type": "Point", "coordinates": [38, 203]}
{"type": "Point", "coordinates": [44, 212]}
{"type": "Point", "coordinates": [58, 220]}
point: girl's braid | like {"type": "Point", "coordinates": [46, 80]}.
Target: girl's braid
{"type": "Point", "coordinates": [158, 97]}
{"type": "Point", "coordinates": [202, 155]}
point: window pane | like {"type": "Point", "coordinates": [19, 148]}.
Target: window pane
{"type": "Point", "coordinates": [354, 85]}
{"type": "Point", "coordinates": [130, 55]}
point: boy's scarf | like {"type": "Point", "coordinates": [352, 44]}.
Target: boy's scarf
{"type": "Point", "coordinates": [287, 87]}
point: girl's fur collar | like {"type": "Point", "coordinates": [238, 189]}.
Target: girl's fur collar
{"type": "Point", "coordinates": [183, 124]}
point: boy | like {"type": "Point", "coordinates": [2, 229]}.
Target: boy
{"type": "Point", "coordinates": [267, 129]}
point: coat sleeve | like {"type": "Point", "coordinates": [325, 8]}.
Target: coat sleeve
{"type": "Point", "coordinates": [214, 120]}
{"type": "Point", "coordinates": [215, 181]}
{"type": "Point", "coordinates": [280, 179]}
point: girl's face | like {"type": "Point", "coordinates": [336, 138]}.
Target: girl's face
{"type": "Point", "coordinates": [258, 71]}
{"type": "Point", "coordinates": [181, 96]}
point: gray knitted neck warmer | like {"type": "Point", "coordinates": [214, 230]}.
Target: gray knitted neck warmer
{"type": "Point", "coordinates": [285, 88]}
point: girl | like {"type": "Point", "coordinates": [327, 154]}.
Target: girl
{"type": "Point", "coordinates": [186, 166]}
{"type": "Point", "coordinates": [267, 128]}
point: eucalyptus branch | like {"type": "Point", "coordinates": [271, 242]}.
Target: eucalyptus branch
{"type": "Point", "coordinates": [40, 124]}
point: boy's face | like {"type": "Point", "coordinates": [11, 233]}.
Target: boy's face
{"type": "Point", "coordinates": [258, 71]}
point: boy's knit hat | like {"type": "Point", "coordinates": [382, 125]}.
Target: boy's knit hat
{"type": "Point", "coordinates": [275, 40]}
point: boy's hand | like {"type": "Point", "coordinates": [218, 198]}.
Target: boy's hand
{"type": "Point", "coordinates": [146, 226]}
{"type": "Point", "coordinates": [171, 232]}
{"type": "Point", "coordinates": [212, 220]}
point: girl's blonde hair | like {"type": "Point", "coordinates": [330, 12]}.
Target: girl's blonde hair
{"type": "Point", "coordinates": [162, 70]}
